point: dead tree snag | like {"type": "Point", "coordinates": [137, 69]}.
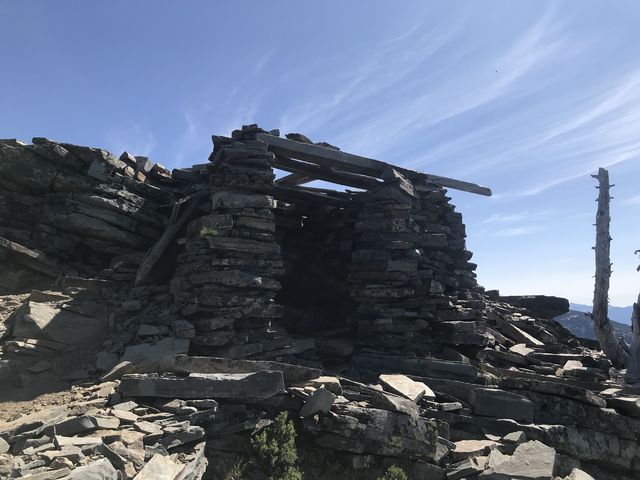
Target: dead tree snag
{"type": "Point", "coordinates": [600, 314]}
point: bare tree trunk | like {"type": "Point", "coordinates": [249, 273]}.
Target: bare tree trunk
{"type": "Point", "coordinates": [633, 364]}
{"type": "Point", "coordinates": [603, 328]}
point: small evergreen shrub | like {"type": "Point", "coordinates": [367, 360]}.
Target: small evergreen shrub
{"type": "Point", "coordinates": [237, 471]}
{"type": "Point", "coordinates": [275, 450]}
{"type": "Point", "coordinates": [394, 473]}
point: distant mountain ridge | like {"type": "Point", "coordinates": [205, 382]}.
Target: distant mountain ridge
{"type": "Point", "coordinates": [581, 325]}
{"type": "Point", "coordinates": [617, 314]}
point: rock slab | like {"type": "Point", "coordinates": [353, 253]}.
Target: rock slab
{"type": "Point", "coordinates": [262, 384]}
{"type": "Point", "coordinates": [403, 385]}
{"type": "Point", "coordinates": [530, 461]}
{"type": "Point", "coordinates": [320, 401]}
{"type": "Point", "coordinates": [491, 402]}
{"type": "Point", "coordinates": [98, 470]}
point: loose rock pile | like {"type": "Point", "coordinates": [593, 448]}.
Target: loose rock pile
{"type": "Point", "coordinates": [99, 436]}
{"type": "Point", "coordinates": [190, 308]}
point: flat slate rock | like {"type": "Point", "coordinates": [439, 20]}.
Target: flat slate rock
{"type": "Point", "coordinates": [98, 470]}
{"type": "Point", "coordinates": [77, 441]}
{"type": "Point", "coordinates": [577, 474]}
{"type": "Point", "coordinates": [163, 350]}
{"type": "Point", "coordinates": [159, 468]}
{"type": "Point", "coordinates": [118, 371]}
{"type": "Point", "coordinates": [403, 385]}
{"type": "Point", "coordinates": [292, 373]}
{"type": "Point", "coordinates": [73, 426]}
{"type": "Point", "coordinates": [319, 401]}
{"type": "Point", "coordinates": [416, 366]}
{"type": "Point", "coordinates": [629, 406]}
{"type": "Point", "coordinates": [45, 416]}
{"type": "Point", "coordinates": [50, 475]}
{"type": "Point", "coordinates": [262, 384]}
{"type": "Point", "coordinates": [515, 437]}
{"type": "Point", "coordinates": [394, 403]}
{"type": "Point", "coordinates": [46, 321]}
{"type": "Point", "coordinates": [467, 468]}
{"type": "Point", "coordinates": [329, 383]}
{"type": "Point", "coordinates": [472, 448]}
{"type": "Point", "coordinates": [377, 432]}
{"type": "Point", "coordinates": [531, 461]}
{"type": "Point", "coordinates": [181, 437]}
{"type": "Point", "coordinates": [496, 403]}
{"type": "Point", "coordinates": [4, 446]}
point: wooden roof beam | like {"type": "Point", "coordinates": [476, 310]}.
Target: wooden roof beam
{"type": "Point", "coordinates": [316, 172]}
{"type": "Point", "coordinates": [306, 196]}
{"type": "Point", "coordinates": [349, 163]}
{"type": "Point", "coordinates": [294, 179]}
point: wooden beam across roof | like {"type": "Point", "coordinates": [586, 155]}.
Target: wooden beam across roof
{"type": "Point", "coordinates": [306, 195]}
{"type": "Point", "coordinates": [356, 164]}
{"type": "Point", "coordinates": [316, 172]}
{"type": "Point", "coordinates": [294, 179]}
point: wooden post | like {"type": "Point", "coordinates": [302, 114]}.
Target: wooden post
{"type": "Point", "coordinates": [600, 314]}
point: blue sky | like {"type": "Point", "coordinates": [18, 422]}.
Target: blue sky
{"type": "Point", "coordinates": [527, 97]}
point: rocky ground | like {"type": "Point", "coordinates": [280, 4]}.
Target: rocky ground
{"type": "Point", "coordinates": [524, 408]}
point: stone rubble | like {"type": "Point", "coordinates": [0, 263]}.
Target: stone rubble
{"type": "Point", "coordinates": [189, 307]}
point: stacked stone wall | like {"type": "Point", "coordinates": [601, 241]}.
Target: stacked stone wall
{"type": "Point", "coordinates": [410, 275]}
{"type": "Point", "coordinates": [225, 277]}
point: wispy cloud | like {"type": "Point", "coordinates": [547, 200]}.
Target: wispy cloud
{"type": "Point", "coordinates": [583, 169]}
{"type": "Point", "coordinates": [631, 201]}
{"type": "Point", "coordinates": [595, 130]}
{"type": "Point", "coordinates": [518, 231]}
{"type": "Point", "coordinates": [428, 99]}
{"type": "Point", "coordinates": [515, 217]}
{"type": "Point", "coordinates": [383, 69]}
{"type": "Point", "coordinates": [468, 87]}
{"type": "Point", "coordinates": [221, 111]}
{"type": "Point", "coordinates": [262, 61]}
{"type": "Point", "coordinates": [420, 82]}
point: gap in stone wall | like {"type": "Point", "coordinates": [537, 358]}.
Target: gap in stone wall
{"type": "Point", "coordinates": [316, 245]}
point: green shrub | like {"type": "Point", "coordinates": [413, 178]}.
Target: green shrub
{"type": "Point", "coordinates": [237, 471]}
{"type": "Point", "coordinates": [275, 450]}
{"type": "Point", "coordinates": [394, 473]}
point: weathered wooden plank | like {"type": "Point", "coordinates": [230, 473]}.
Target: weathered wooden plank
{"type": "Point", "coordinates": [391, 175]}
{"type": "Point", "coordinates": [323, 155]}
{"type": "Point", "coordinates": [301, 195]}
{"type": "Point", "coordinates": [327, 191]}
{"type": "Point", "coordinates": [319, 173]}
{"type": "Point", "coordinates": [357, 164]}
{"type": "Point", "coordinates": [451, 183]}
{"type": "Point", "coordinates": [176, 222]}
{"type": "Point", "coordinates": [294, 179]}
{"type": "Point", "coordinates": [30, 258]}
